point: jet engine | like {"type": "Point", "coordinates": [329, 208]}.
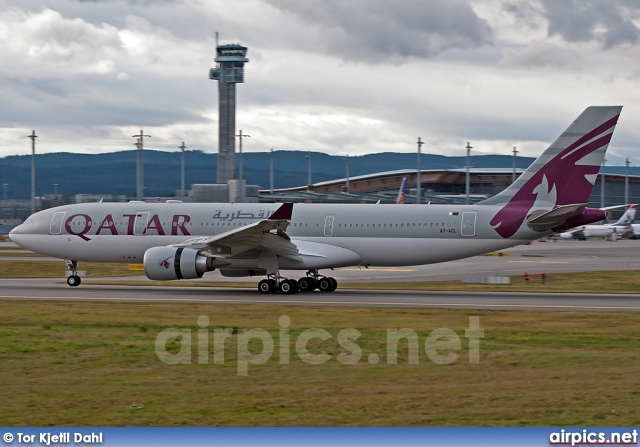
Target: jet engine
{"type": "Point", "coordinates": [168, 263]}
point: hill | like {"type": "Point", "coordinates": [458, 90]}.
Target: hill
{"type": "Point", "coordinates": [115, 173]}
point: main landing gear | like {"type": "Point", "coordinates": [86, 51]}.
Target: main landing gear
{"type": "Point", "coordinates": [276, 283]}
{"type": "Point", "coordinates": [73, 280]}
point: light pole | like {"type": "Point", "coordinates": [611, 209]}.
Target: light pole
{"type": "Point", "coordinates": [33, 137]}
{"type": "Point", "coordinates": [602, 180]}
{"type": "Point", "coordinates": [308, 171]}
{"type": "Point", "coordinates": [183, 147]}
{"type": "Point", "coordinates": [467, 182]}
{"type": "Point", "coordinates": [137, 145]}
{"type": "Point", "coordinates": [4, 190]}
{"type": "Point", "coordinates": [140, 182]}
{"type": "Point", "coordinates": [515, 155]}
{"type": "Point", "coordinates": [346, 159]}
{"type": "Point", "coordinates": [241, 135]}
{"type": "Point", "coordinates": [271, 170]}
{"type": "Point", "coordinates": [418, 178]}
{"type": "Point", "coordinates": [626, 181]}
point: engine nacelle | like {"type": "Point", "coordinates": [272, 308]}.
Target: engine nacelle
{"type": "Point", "coordinates": [168, 263]}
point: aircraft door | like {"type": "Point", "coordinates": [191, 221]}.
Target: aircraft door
{"type": "Point", "coordinates": [328, 225]}
{"type": "Point", "coordinates": [56, 223]}
{"type": "Point", "coordinates": [468, 224]}
{"type": "Point", "coordinates": [140, 224]}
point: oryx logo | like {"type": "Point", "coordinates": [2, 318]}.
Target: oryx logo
{"type": "Point", "coordinates": [166, 264]}
{"type": "Point", "coordinates": [566, 179]}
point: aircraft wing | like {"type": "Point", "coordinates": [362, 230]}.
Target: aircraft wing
{"type": "Point", "coordinates": [268, 234]}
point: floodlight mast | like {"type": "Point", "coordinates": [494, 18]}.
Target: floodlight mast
{"type": "Point", "coordinates": [140, 148]}
{"type": "Point", "coordinates": [33, 137]}
{"type": "Point", "coordinates": [346, 159]}
{"type": "Point", "coordinates": [515, 155]}
{"type": "Point", "coordinates": [182, 147]}
{"type": "Point", "coordinates": [467, 178]}
{"type": "Point", "coordinates": [240, 173]}
{"type": "Point", "coordinates": [419, 178]}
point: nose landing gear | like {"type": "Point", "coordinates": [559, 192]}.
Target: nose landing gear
{"type": "Point", "coordinates": [73, 280]}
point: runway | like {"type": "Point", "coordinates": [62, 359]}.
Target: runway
{"type": "Point", "coordinates": [51, 290]}
{"type": "Point", "coordinates": [551, 257]}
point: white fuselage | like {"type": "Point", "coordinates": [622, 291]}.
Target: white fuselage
{"type": "Point", "coordinates": [598, 231]}
{"type": "Point", "coordinates": [325, 235]}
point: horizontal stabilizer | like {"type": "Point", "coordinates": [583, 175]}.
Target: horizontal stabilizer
{"type": "Point", "coordinates": [546, 220]}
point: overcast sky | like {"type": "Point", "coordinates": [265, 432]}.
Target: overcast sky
{"type": "Point", "coordinates": [337, 76]}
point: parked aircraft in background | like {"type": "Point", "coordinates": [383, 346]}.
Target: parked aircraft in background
{"type": "Point", "coordinates": [185, 240]}
{"type": "Point", "coordinates": [622, 227]}
{"type": "Point", "coordinates": [635, 232]}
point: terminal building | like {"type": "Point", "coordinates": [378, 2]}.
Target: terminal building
{"type": "Point", "coordinates": [437, 186]}
{"type": "Point", "coordinates": [440, 186]}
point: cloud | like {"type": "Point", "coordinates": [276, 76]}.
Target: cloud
{"type": "Point", "coordinates": [610, 23]}
{"type": "Point", "coordinates": [542, 55]}
{"type": "Point", "coordinates": [390, 30]}
{"type": "Point", "coordinates": [355, 76]}
{"type": "Point", "coordinates": [46, 39]}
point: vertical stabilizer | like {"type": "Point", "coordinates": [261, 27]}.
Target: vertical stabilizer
{"type": "Point", "coordinates": [563, 175]}
{"type": "Point", "coordinates": [627, 217]}
{"type": "Point", "coordinates": [403, 191]}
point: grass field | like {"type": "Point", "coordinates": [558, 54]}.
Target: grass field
{"type": "Point", "coordinates": [95, 364]}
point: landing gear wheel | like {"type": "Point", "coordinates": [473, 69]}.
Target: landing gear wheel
{"type": "Point", "coordinates": [288, 287]}
{"type": "Point", "coordinates": [326, 285]}
{"type": "Point", "coordinates": [73, 280]}
{"type": "Point", "coordinates": [267, 286]}
{"type": "Point", "coordinates": [307, 284]}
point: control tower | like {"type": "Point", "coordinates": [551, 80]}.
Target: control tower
{"type": "Point", "coordinates": [229, 71]}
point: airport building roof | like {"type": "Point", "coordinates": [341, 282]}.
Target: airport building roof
{"type": "Point", "coordinates": [438, 186]}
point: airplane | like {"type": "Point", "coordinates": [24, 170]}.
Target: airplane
{"type": "Point", "coordinates": [635, 232]}
{"type": "Point", "coordinates": [177, 240]}
{"type": "Point", "coordinates": [403, 191]}
{"type": "Point", "coordinates": [622, 227]}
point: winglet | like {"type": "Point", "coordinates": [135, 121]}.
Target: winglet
{"type": "Point", "coordinates": [283, 213]}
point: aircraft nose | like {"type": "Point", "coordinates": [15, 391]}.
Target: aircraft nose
{"type": "Point", "coordinates": [15, 234]}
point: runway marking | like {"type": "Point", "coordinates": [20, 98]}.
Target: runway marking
{"type": "Point", "coordinates": [542, 262]}
{"type": "Point", "coordinates": [367, 303]}
{"type": "Point", "coordinates": [391, 269]}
